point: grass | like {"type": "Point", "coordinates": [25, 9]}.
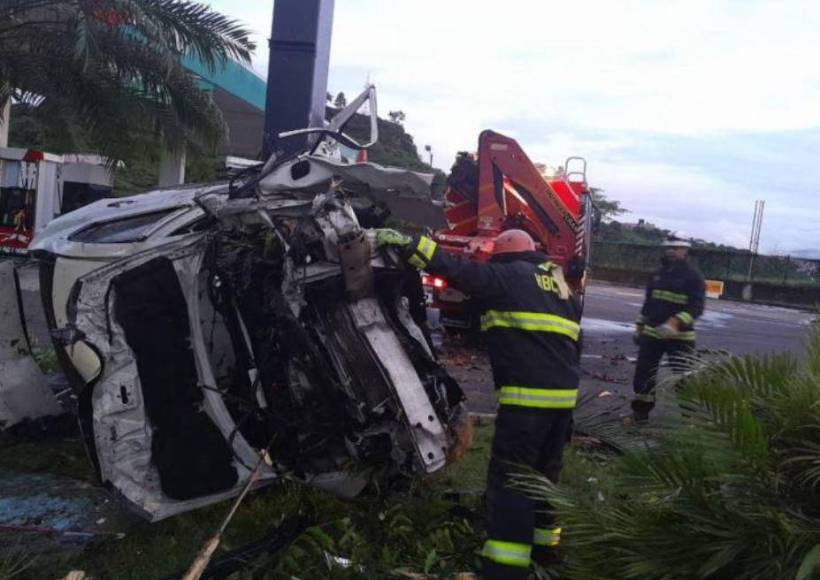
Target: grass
{"type": "Point", "coordinates": [433, 526]}
{"type": "Point", "coordinates": [45, 357]}
{"type": "Point", "coordinates": [64, 457]}
{"type": "Point", "coordinates": [163, 548]}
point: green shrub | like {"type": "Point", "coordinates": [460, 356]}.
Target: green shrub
{"type": "Point", "coordinates": [732, 492]}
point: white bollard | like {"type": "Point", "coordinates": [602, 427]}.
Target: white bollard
{"type": "Point", "coordinates": [24, 390]}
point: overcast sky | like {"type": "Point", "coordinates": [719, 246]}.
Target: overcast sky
{"type": "Point", "coordinates": [687, 111]}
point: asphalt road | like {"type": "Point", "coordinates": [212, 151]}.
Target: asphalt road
{"type": "Point", "coordinates": [608, 362]}
{"type": "Point", "coordinates": [736, 327]}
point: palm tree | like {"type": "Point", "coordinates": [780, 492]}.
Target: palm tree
{"type": "Point", "coordinates": [109, 71]}
{"type": "Point", "coordinates": [733, 492]}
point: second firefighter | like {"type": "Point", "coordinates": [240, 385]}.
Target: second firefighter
{"type": "Point", "coordinates": [666, 325]}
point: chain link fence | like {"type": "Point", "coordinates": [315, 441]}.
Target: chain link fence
{"type": "Point", "coordinates": [715, 264]}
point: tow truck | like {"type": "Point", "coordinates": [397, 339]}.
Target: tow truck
{"type": "Point", "coordinates": [500, 188]}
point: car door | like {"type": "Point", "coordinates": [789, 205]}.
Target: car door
{"type": "Point", "coordinates": [162, 434]}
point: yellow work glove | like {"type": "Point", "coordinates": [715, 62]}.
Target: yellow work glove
{"type": "Point", "coordinates": [388, 237]}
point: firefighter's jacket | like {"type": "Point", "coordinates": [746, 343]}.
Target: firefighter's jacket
{"type": "Point", "coordinates": [676, 290]}
{"type": "Point", "coordinates": [530, 319]}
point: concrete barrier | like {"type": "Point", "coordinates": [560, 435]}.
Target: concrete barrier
{"type": "Point", "coordinates": [714, 288]}
{"type": "Point", "coordinates": [24, 390]}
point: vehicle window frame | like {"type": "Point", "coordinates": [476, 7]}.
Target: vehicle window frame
{"type": "Point", "coordinates": [167, 215]}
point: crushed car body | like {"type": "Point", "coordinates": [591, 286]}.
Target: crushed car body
{"type": "Point", "coordinates": [203, 324]}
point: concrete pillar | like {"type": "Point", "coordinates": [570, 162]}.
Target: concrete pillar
{"type": "Point", "coordinates": [5, 120]}
{"type": "Point", "coordinates": [24, 390]}
{"type": "Point", "coordinates": [297, 71]}
{"type": "Point", "coordinates": [172, 169]}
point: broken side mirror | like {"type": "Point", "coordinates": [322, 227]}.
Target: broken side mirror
{"type": "Point", "coordinates": [85, 360]}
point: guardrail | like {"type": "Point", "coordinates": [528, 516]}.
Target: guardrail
{"type": "Point", "coordinates": [774, 280]}
{"type": "Point", "coordinates": [715, 264]}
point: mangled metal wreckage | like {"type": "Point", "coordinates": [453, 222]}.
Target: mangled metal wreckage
{"type": "Point", "coordinates": [270, 317]}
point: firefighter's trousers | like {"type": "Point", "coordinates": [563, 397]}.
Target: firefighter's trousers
{"type": "Point", "coordinates": [519, 527]}
{"type": "Point", "coordinates": [650, 353]}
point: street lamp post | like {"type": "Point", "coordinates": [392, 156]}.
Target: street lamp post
{"type": "Point", "coordinates": [430, 152]}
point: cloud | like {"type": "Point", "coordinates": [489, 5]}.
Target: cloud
{"type": "Point", "coordinates": [688, 110]}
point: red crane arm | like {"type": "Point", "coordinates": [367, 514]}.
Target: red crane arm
{"type": "Point", "coordinates": [510, 187]}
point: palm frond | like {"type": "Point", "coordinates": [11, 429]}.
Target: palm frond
{"type": "Point", "coordinates": [195, 27]}
{"type": "Point", "coordinates": [810, 565]}
{"type": "Point", "coordinates": [113, 66]}
{"type": "Point", "coordinates": [759, 375]}
{"type": "Point", "coordinates": [725, 411]}
{"type": "Point", "coordinates": [730, 492]}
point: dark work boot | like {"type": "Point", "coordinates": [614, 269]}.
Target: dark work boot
{"type": "Point", "coordinates": [636, 419]}
{"type": "Point", "coordinates": [493, 571]}
{"type": "Point", "coordinates": [546, 557]}
{"type": "Point", "coordinates": [640, 417]}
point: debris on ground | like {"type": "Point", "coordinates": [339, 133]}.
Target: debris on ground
{"type": "Point", "coordinates": [50, 511]}
{"type": "Point", "coordinates": [604, 377]}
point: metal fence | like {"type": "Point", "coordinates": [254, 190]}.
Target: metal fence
{"type": "Point", "coordinates": [715, 264]}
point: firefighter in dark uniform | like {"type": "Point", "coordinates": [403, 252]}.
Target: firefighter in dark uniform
{"type": "Point", "coordinates": [531, 322]}
{"type": "Point", "coordinates": [674, 299]}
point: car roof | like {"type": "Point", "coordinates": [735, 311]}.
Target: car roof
{"type": "Point", "coordinates": [115, 208]}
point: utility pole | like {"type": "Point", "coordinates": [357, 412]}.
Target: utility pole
{"type": "Point", "coordinates": [298, 70]}
{"type": "Point", "coordinates": [754, 240]}
{"type": "Point", "coordinates": [429, 150]}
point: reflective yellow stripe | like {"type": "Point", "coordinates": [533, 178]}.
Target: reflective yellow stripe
{"type": "Point", "coordinates": [532, 321]}
{"type": "Point", "coordinates": [426, 247]}
{"type": "Point", "coordinates": [645, 397]}
{"type": "Point", "coordinates": [507, 553]}
{"type": "Point", "coordinates": [651, 332]}
{"type": "Point", "coordinates": [538, 398]}
{"type": "Point", "coordinates": [547, 537]}
{"type": "Point", "coordinates": [668, 296]}
{"type": "Point", "coordinates": [423, 253]}
{"type": "Point", "coordinates": [684, 317]}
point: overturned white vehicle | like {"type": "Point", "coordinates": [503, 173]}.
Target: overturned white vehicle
{"type": "Point", "coordinates": [242, 314]}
